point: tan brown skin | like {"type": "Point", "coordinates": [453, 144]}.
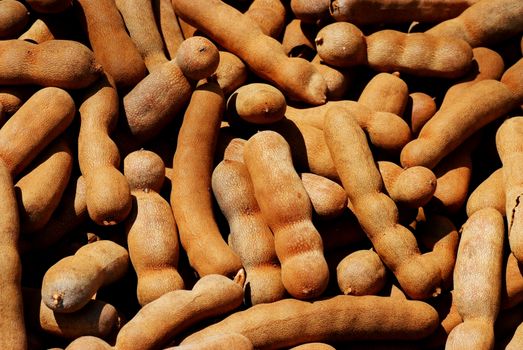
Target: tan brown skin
{"type": "Point", "coordinates": [250, 237]}
{"type": "Point", "coordinates": [385, 92]}
{"type": "Point", "coordinates": [159, 97]}
{"type": "Point", "coordinates": [287, 209]}
{"type": "Point", "coordinates": [508, 144]}
{"type": "Point", "coordinates": [338, 80]}
{"type": "Point", "coordinates": [257, 103]}
{"type": "Point", "coordinates": [420, 108]}
{"type": "Point", "coordinates": [264, 55]}
{"type": "Point", "coordinates": [97, 318]}
{"type": "Point", "coordinates": [12, 327]}
{"type": "Point", "coordinates": [168, 26]}
{"type": "Point", "coordinates": [40, 120]}
{"type": "Point", "coordinates": [512, 79]}
{"type": "Point", "coordinates": [13, 97]}
{"type": "Point", "coordinates": [516, 342]}
{"type": "Point", "coordinates": [361, 273]}
{"type": "Point", "coordinates": [484, 23]}
{"type": "Point", "coordinates": [161, 320]}
{"type": "Point", "coordinates": [108, 196]}
{"type": "Point", "coordinates": [60, 63]}
{"type": "Point", "coordinates": [477, 280]}
{"type": "Point", "coordinates": [50, 6]}
{"type": "Point", "coordinates": [282, 324]}
{"type": "Point", "coordinates": [152, 237]}
{"type": "Point", "coordinates": [313, 346]}
{"type": "Point", "coordinates": [223, 341]}
{"type": "Point", "coordinates": [88, 342]}
{"type": "Point", "coordinates": [69, 284]}
{"type": "Point", "coordinates": [328, 199]}
{"type": "Point", "coordinates": [13, 18]}
{"type": "Point", "coordinates": [489, 193]}
{"type": "Point", "coordinates": [38, 32]}
{"type": "Point", "coordinates": [377, 213]}
{"type": "Point", "coordinates": [269, 15]}
{"type": "Point", "coordinates": [476, 106]}
{"type": "Point", "coordinates": [191, 198]}
{"type": "Point", "coordinates": [310, 11]}
{"type": "Point", "coordinates": [198, 58]}
{"type": "Point", "coordinates": [101, 20]}
{"type": "Point", "coordinates": [40, 190]}
{"type": "Point", "coordinates": [234, 150]}
{"type": "Point", "coordinates": [231, 72]}
{"type": "Point", "coordinates": [341, 44]}
{"type": "Point", "coordinates": [364, 12]}
{"type": "Point", "coordinates": [411, 188]}
{"type": "Point", "coordinates": [70, 213]}
{"type": "Point", "coordinates": [512, 283]}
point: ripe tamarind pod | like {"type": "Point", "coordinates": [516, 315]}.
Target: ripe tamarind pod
{"type": "Point", "coordinates": [13, 97]}
{"type": "Point", "coordinates": [12, 325]}
{"type": "Point", "coordinates": [420, 108]}
{"type": "Point", "coordinates": [512, 78]}
{"type": "Point", "coordinates": [249, 237]}
{"type": "Point", "coordinates": [257, 103]}
{"type": "Point", "coordinates": [370, 317]}
{"type": "Point", "coordinates": [168, 26]}
{"type": "Point", "coordinates": [475, 107]}
{"type": "Point", "coordinates": [310, 11]}
{"type": "Point", "coordinates": [264, 55]}
{"type": "Point", "coordinates": [40, 190]}
{"type": "Point", "coordinates": [13, 18]}
{"type": "Point", "coordinates": [489, 193]}
{"type": "Point", "coordinates": [88, 342]}
{"type": "Point", "coordinates": [231, 72]}
{"type": "Point", "coordinates": [484, 23]}
{"type": "Point", "coordinates": [362, 12]}
{"type": "Point", "coordinates": [174, 312]}
{"type": "Point", "coordinates": [385, 92]}
{"type": "Point", "coordinates": [223, 341]}
{"type": "Point", "coordinates": [512, 283]}
{"type": "Point", "coordinates": [377, 213]}
{"type": "Point", "coordinates": [361, 273]}
{"type": "Point", "coordinates": [269, 15]}
{"type": "Point", "coordinates": [338, 80]}
{"type": "Point", "coordinates": [139, 20]}
{"type": "Point", "coordinates": [101, 20]}
{"type": "Point", "coordinates": [328, 199]}
{"type": "Point", "coordinates": [508, 144]}
{"type": "Point", "coordinates": [69, 284]}
{"type": "Point", "coordinates": [43, 117]}
{"type": "Point", "coordinates": [313, 346]}
{"type": "Point", "coordinates": [287, 209]}
{"type": "Point", "coordinates": [64, 64]}
{"type": "Point", "coordinates": [38, 32]}
{"type": "Point", "coordinates": [191, 198]}
{"type": "Point", "coordinates": [152, 237]}
{"type": "Point", "coordinates": [477, 280]}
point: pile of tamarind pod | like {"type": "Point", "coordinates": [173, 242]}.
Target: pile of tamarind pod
{"type": "Point", "coordinates": [263, 174]}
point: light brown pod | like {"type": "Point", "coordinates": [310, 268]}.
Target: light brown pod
{"type": "Point", "coordinates": [512, 283]}
{"type": "Point", "coordinates": [191, 198]}
{"type": "Point", "coordinates": [512, 78]}
{"type": "Point", "coordinates": [152, 237]}
{"type": "Point", "coordinates": [313, 346]}
{"type": "Point", "coordinates": [102, 20]}
{"type": "Point", "coordinates": [40, 120]}
{"type": "Point", "coordinates": [168, 26]}
{"type": "Point", "coordinates": [88, 342]}
{"type": "Point", "coordinates": [420, 108]}
{"type": "Point", "coordinates": [269, 15]}
{"type": "Point", "coordinates": [60, 63]}
{"type": "Point", "coordinates": [12, 98]}
{"type": "Point", "coordinates": [40, 190]}
{"type": "Point", "coordinates": [69, 284]}
{"type": "Point", "coordinates": [107, 194]}
{"type": "Point", "coordinates": [12, 325]}
{"type": "Point", "coordinates": [489, 193]}
{"type": "Point", "coordinates": [516, 342]}
{"type": "Point", "coordinates": [361, 273]}
{"type": "Point", "coordinates": [50, 6]}
{"type": "Point", "coordinates": [328, 199]}
{"type": "Point", "coordinates": [257, 103]}
{"type": "Point", "coordinates": [96, 318]}
{"type": "Point", "coordinates": [385, 92]}
{"type": "Point", "coordinates": [310, 11]}
{"type": "Point", "coordinates": [341, 44]}
{"type": "Point", "coordinates": [264, 55]}
{"type": "Point", "coordinates": [174, 312]}
{"type": "Point", "coordinates": [281, 324]}
{"type": "Point", "coordinates": [38, 32]}
{"type": "Point", "coordinates": [484, 23]}
{"type": "Point", "coordinates": [223, 341]}
{"type": "Point", "coordinates": [287, 209]}
{"type": "Point", "coordinates": [338, 80]}
{"type": "Point", "coordinates": [377, 213]}
{"type": "Point", "coordinates": [231, 72]}
{"type": "Point", "coordinates": [477, 280]}
{"type": "Point", "coordinates": [13, 18]}
{"type": "Point", "coordinates": [139, 20]}
{"type": "Point", "coordinates": [250, 237]}
{"type": "Point", "coordinates": [508, 144]}
{"type": "Point", "coordinates": [480, 104]}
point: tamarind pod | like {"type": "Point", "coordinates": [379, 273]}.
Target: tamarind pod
{"type": "Point", "coordinates": [190, 195]}
{"type": "Point", "coordinates": [377, 213]}
{"type": "Point", "coordinates": [88, 342]}
{"type": "Point", "coordinates": [13, 97]}
{"type": "Point", "coordinates": [280, 324]}
{"type": "Point", "coordinates": [484, 23]}
{"type": "Point", "coordinates": [40, 190]}
{"type": "Point", "coordinates": [172, 313]}
{"type": "Point", "coordinates": [420, 108]}
{"type": "Point", "coordinates": [13, 18]}
{"type": "Point", "coordinates": [139, 20]}
{"type": "Point", "coordinates": [385, 92]}
{"type": "Point", "coordinates": [265, 56]}
{"type": "Point", "coordinates": [363, 12]}
{"type": "Point", "coordinates": [475, 107]}
{"type": "Point", "coordinates": [168, 26]}
{"type": "Point", "coordinates": [313, 346]}
{"type": "Point", "coordinates": [269, 15]}
{"type": "Point", "coordinates": [328, 199]}
{"type": "Point", "coordinates": [512, 283]}
{"type": "Point", "coordinates": [38, 32]}
{"type": "Point", "coordinates": [12, 325]}
{"type": "Point", "coordinates": [256, 103]}
{"type": "Point", "coordinates": [102, 20]}
{"type": "Point", "coordinates": [361, 273]}
{"type": "Point", "coordinates": [231, 72]}
{"type": "Point", "coordinates": [338, 80]}
{"type": "Point", "coordinates": [218, 342]}
{"type": "Point", "coordinates": [43, 117]}
{"type": "Point", "coordinates": [310, 11]}
{"type": "Point", "coordinates": [512, 78]}
{"type": "Point", "coordinates": [489, 193]}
